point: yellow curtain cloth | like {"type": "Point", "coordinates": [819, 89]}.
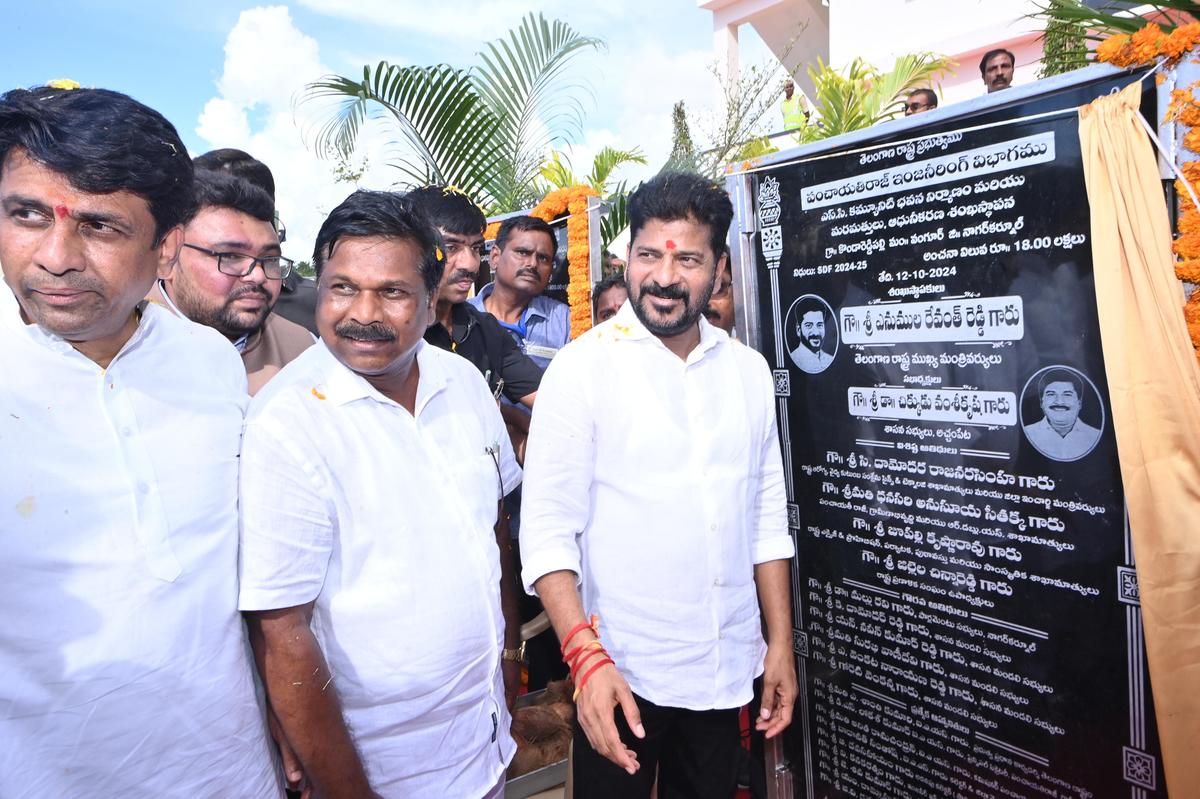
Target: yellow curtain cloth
{"type": "Point", "coordinates": [1154, 386]}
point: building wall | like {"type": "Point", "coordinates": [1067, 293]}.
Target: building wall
{"type": "Point", "coordinates": [798, 31]}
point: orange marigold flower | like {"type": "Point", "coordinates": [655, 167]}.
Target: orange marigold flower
{"type": "Point", "coordinates": [1187, 246]}
{"type": "Point", "coordinates": [1191, 140]}
{"type": "Point", "coordinates": [1112, 50]}
{"type": "Point", "coordinates": [1189, 272]}
{"type": "Point", "coordinates": [1189, 222]}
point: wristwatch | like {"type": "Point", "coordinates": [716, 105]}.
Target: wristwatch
{"type": "Point", "coordinates": [517, 654]}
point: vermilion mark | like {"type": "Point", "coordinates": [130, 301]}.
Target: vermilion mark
{"type": "Point", "coordinates": [62, 211]}
{"type": "Point", "coordinates": [670, 244]}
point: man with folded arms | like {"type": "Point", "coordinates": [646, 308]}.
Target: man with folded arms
{"type": "Point", "coordinates": [124, 669]}
{"type": "Point", "coordinates": [370, 574]}
{"type": "Point", "coordinates": [655, 481]}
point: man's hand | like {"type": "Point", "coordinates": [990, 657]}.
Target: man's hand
{"type": "Point", "coordinates": [293, 771]}
{"type": "Point", "coordinates": [779, 691]}
{"type": "Point", "coordinates": [602, 692]}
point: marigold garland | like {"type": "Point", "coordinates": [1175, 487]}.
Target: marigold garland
{"type": "Point", "coordinates": [1142, 48]}
{"type": "Point", "coordinates": [573, 200]}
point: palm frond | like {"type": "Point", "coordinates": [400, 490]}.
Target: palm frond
{"type": "Point", "coordinates": [606, 162]}
{"type": "Point", "coordinates": [443, 126]}
{"type": "Point", "coordinates": [521, 79]}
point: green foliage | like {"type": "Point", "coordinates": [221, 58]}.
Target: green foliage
{"type": "Point", "coordinates": [861, 96]}
{"type": "Point", "coordinates": [1097, 24]}
{"type": "Point", "coordinates": [305, 269]}
{"type": "Point", "coordinates": [683, 149]}
{"type": "Point", "coordinates": [755, 148]}
{"type": "Point", "coordinates": [485, 129]}
{"type": "Point", "coordinates": [558, 175]}
{"type": "Point", "coordinates": [1064, 48]}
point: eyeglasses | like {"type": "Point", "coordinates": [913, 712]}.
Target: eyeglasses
{"type": "Point", "coordinates": [239, 264]}
{"type": "Point", "coordinates": [912, 108]}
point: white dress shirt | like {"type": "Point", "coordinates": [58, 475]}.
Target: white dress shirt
{"type": "Point", "coordinates": [124, 668]}
{"type": "Point", "coordinates": [1078, 441]}
{"type": "Point", "coordinates": [387, 520]}
{"type": "Point", "coordinates": [660, 482]}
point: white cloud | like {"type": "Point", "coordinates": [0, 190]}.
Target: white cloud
{"type": "Point", "coordinates": [268, 61]}
{"type": "Point", "coordinates": [442, 20]}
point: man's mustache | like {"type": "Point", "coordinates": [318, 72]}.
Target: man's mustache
{"type": "Point", "coordinates": [460, 275]}
{"type": "Point", "coordinates": [1060, 407]}
{"type": "Point", "coordinates": [253, 288]}
{"type": "Point", "coordinates": [528, 273]}
{"type": "Point", "coordinates": [664, 292]}
{"type": "Point", "coordinates": [371, 332]}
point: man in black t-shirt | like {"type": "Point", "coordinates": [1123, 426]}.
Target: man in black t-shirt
{"type": "Point", "coordinates": [459, 327]}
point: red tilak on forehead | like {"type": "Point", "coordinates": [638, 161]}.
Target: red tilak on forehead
{"type": "Point", "coordinates": [62, 211]}
{"type": "Point", "coordinates": [670, 244]}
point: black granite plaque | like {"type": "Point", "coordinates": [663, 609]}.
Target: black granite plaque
{"type": "Point", "coordinates": [967, 619]}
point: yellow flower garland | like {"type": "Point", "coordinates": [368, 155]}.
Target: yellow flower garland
{"type": "Point", "coordinates": [1142, 48]}
{"type": "Point", "coordinates": [573, 200]}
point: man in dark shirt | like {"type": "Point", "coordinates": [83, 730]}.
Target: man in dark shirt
{"type": "Point", "coordinates": [460, 328]}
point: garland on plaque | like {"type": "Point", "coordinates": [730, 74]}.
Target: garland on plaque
{"type": "Point", "coordinates": [1142, 48]}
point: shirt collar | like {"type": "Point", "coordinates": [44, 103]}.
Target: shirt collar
{"type": "Point", "coordinates": [625, 325]}
{"type": "Point", "coordinates": [10, 317]}
{"type": "Point", "coordinates": [341, 385]}
{"type": "Point", "coordinates": [536, 306]}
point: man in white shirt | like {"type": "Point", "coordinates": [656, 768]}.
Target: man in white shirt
{"type": "Point", "coordinates": [124, 669]}
{"type": "Point", "coordinates": [655, 481]}
{"type": "Point", "coordinates": [1060, 434]}
{"type": "Point", "coordinates": [370, 574]}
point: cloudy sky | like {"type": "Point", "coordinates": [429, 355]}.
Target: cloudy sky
{"type": "Point", "coordinates": [227, 72]}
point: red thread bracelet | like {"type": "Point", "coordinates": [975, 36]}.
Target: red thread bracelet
{"type": "Point", "coordinates": [578, 664]}
{"type": "Point", "coordinates": [578, 628]}
{"type": "Point", "coordinates": [574, 653]}
{"type": "Point", "coordinates": [583, 680]}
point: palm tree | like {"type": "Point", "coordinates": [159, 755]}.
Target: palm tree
{"type": "Point", "coordinates": [862, 96]}
{"type": "Point", "coordinates": [485, 129]}
{"type": "Point", "coordinates": [558, 174]}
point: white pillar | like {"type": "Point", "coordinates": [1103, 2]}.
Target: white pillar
{"type": "Point", "coordinates": [725, 45]}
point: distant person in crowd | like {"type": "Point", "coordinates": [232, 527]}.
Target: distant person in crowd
{"type": "Point", "coordinates": [613, 264]}
{"type": "Point", "coordinates": [996, 68]}
{"type": "Point", "coordinates": [920, 101]}
{"type": "Point", "coordinates": [1060, 434]}
{"type": "Point", "coordinates": [522, 259]}
{"type": "Point", "coordinates": [719, 311]}
{"type": "Point", "coordinates": [608, 296]}
{"type": "Point", "coordinates": [370, 573]}
{"type": "Point", "coordinates": [668, 511]}
{"type": "Point", "coordinates": [124, 667]}
{"type": "Point", "coordinates": [228, 273]}
{"type": "Point", "coordinates": [297, 294]}
{"type": "Point", "coordinates": [794, 107]}
{"type": "Point", "coordinates": [458, 326]}
{"type": "Point", "coordinates": [812, 317]}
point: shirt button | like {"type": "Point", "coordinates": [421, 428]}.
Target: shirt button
{"type": "Point", "coordinates": [126, 431]}
{"type": "Point", "coordinates": [712, 527]}
{"type": "Point", "coordinates": [143, 487]}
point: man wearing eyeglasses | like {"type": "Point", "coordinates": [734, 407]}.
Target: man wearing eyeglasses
{"type": "Point", "coordinates": [920, 101]}
{"type": "Point", "coordinates": [229, 272]}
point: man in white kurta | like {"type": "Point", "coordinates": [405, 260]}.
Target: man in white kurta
{"type": "Point", "coordinates": [656, 485]}
{"type": "Point", "coordinates": [124, 669]}
{"type": "Point", "coordinates": [382, 517]}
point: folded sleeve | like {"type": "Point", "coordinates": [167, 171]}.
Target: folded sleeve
{"type": "Point", "coordinates": [555, 505]}
{"type": "Point", "coordinates": [286, 526]}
